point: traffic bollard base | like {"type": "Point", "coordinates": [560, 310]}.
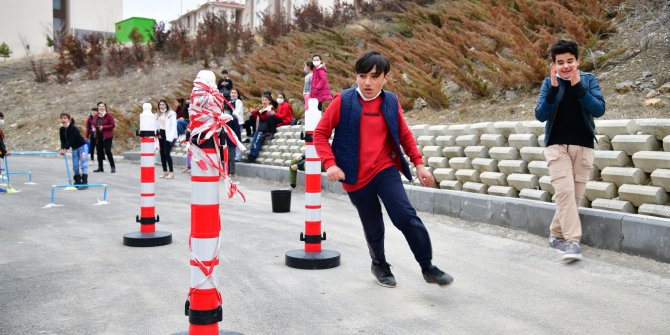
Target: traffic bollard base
{"type": "Point", "coordinates": [155, 239]}
{"type": "Point", "coordinates": [221, 332]}
{"type": "Point", "coordinates": [299, 259]}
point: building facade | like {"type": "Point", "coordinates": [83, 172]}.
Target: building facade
{"type": "Point", "coordinates": [232, 11]}
{"type": "Point", "coordinates": [29, 22]}
{"type": "Point", "coordinates": [254, 9]}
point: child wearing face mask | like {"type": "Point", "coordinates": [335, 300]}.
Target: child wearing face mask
{"type": "Point", "coordinates": [70, 137]}
{"type": "Point", "coordinates": [309, 67]}
{"type": "Point", "coordinates": [283, 116]}
{"type": "Point", "coordinates": [166, 127]}
{"type": "Point", "coordinates": [320, 89]}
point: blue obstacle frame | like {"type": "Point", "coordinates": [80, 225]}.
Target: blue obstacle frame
{"type": "Point", "coordinates": [57, 186]}
{"type": "Point", "coordinates": [8, 173]}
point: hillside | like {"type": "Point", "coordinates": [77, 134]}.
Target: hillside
{"type": "Point", "coordinates": [631, 64]}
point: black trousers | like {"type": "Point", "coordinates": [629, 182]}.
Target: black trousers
{"type": "Point", "coordinates": [106, 147]}
{"type": "Point", "coordinates": [250, 127]}
{"type": "Point", "coordinates": [165, 148]}
{"type": "Point", "coordinates": [91, 139]}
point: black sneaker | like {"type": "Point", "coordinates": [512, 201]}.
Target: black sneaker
{"type": "Point", "coordinates": [382, 271]}
{"type": "Point", "coordinates": [113, 170]}
{"type": "Point", "coordinates": [434, 275]}
{"type": "Point", "coordinates": [557, 244]}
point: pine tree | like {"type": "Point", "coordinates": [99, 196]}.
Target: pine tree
{"type": "Point", "coordinates": [5, 52]}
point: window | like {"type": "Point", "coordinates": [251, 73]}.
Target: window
{"type": "Point", "coordinates": [57, 4]}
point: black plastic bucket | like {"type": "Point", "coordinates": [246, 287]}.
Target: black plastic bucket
{"type": "Point", "coordinates": [281, 201]}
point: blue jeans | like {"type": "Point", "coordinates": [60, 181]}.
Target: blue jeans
{"type": "Point", "coordinates": [80, 160]}
{"type": "Point", "coordinates": [256, 144]}
{"type": "Point", "coordinates": [388, 186]}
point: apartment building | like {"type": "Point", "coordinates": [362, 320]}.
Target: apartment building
{"type": "Point", "coordinates": [29, 22]}
{"type": "Point", "coordinates": [232, 11]}
{"type": "Point", "coordinates": [255, 8]}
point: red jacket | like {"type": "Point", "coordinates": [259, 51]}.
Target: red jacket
{"type": "Point", "coordinates": [320, 87]}
{"type": "Point", "coordinates": [108, 125]}
{"type": "Point", "coordinates": [285, 113]}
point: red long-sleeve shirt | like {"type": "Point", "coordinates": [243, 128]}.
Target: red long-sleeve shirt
{"type": "Point", "coordinates": [376, 150]}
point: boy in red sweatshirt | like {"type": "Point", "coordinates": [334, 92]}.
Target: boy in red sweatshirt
{"type": "Point", "coordinates": [366, 156]}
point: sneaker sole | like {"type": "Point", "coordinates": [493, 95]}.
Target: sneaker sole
{"type": "Point", "coordinates": [385, 285]}
{"type": "Point", "coordinates": [569, 258]}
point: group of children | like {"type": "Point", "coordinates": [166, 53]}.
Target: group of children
{"type": "Point", "coordinates": [371, 138]}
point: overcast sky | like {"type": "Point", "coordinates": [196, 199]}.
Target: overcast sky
{"type": "Point", "coordinates": [160, 10]}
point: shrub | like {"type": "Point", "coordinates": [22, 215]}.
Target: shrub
{"type": "Point", "coordinates": [94, 55]}
{"type": "Point", "coordinates": [5, 51]}
{"type": "Point", "coordinates": [74, 49]}
{"type": "Point", "coordinates": [63, 68]}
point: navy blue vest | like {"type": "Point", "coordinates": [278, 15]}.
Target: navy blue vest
{"type": "Point", "coordinates": [346, 142]}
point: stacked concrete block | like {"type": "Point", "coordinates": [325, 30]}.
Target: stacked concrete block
{"type": "Point", "coordinates": [280, 141]}
{"type": "Point", "coordinates": [419, 130]}
{"type": "Point", "coordinates": [283, 148]}
{"type": "Point", "coordinates": [493, 140]}
{"type": "Point", "coordinates": [521, 180]}
{"type": "Point", "coordinates": [631, 144]}
{"type": "Point", "coordinates": [530, 154]}
{"type": "Point", "coordinates": [292, 141]}
{"type": "Point", "coordinates": [279, 162]}
{"type": "Point", "coordinates": [582, 203]}
{"type": "Point", "coordinates": [442, 174]}
{"type": "Point", "coordinates": [476, 151]}
{"type": "Point", "coordinates": [666, 143]}
{"type": "Point", "coordinates": [602, 142]}
{"type": "Point", "coordinates": [485, 164]}
{"type": "Point", "coordinates": [522, 140]}
{"type": "Point", "coordinates": [612, 128]}
{"type": "Point", "coordinates": [655, 210]}
{"type": "Point", "coordinates": [649, 161]}
{"type": "Point", "coordinates": [437, 162]}
{"type": "Point", "coordinates": [275, 154]}
{"type": "Point", "coordinates": [661, 178]}
{"type": "Point", "coordinates": [493, 178]}
{"type": "Point", "coordinates": [294, 149]}
{"type": "Point", "coordinates": [467, 140]}
{"type": "Point", "coordinates": [482, 128]}
{"type": "Point", "coordinates": [467, 175]}
{"type": "Point", "coordinates": [264, 154]}
{"type": "Point", "coordinates": [512, 166]}
{"type": "Point", "coordinates": [602, 190]}
{"type": "Point", "coordinates": [272, 148]}
{"type": "Point", "coordinates": [639, 195]}
{"type": "Point", "coordinates": [506, 128]}
{"type": "Point", "coordinates": [459, 130]}
{"type": "Point", "coordinates": [503, 191]}
{"type": "Point", "coordinates": [533, 127]}
{"type": "Point", "coordinates": [425, 140]}
{"type": "Point", "coordinates": [453, 185]}
{"type": "Point", "coordinates": [613, 205]}
{"type": "Point", "coordinates": [659, 128]}
{"type": "Point", "coordinates": [620, 176]}
{"type": "Point", "coordinates": [287, 156]}
{"type": "Point", "coordinates": [545, 185]}
{"type": "Point", "coordinates": [438, 130]}
{"type": "Point", "coordinates": [538, 168]}
{"type": "Point", "coordinates": [432, 151]}
{"type": "Point", "coordinates": [460, 163]}
{"type": "Point", "coordinates": [451, 152]}
{"type": "Point", "coordinates": [504, 153]}
{"type": "Point", "coordinates": [603, 159]}
{"type": "Point", "coordinates": [538, 195]}
{"type": "Point", "coordinates": [540, 140]}
{"type": "Point", "coordinates": [445, 141]}
{"type": "Point", "coordinates": [475, 187]}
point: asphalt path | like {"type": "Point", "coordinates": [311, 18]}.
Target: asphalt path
{"type": "Point", "coordinates": [64, 270]}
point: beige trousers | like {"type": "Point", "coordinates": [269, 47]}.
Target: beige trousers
{"type": "Point", "coordinates": [569, 169]}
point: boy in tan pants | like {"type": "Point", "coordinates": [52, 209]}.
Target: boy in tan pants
{"type": "Point", "coordinates": [568, 102]}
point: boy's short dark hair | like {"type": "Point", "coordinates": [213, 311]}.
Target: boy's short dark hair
{"type": "Point", "coordinates": [94, 109]}
{"type": "Point", "coordinates": [2, 115]}
{"type": "Point", "coordinates": [224, 71]}
{"type": "Point", "coordinates": [564, 47]}
{"type": "Point", "coordinates": [370, 60]}
{"type": "Point", "coordinates": [309, 64]}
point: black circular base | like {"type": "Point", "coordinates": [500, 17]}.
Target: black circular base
{"type": "Point", "coordinates": [299, 259]}
{"type": "Point", "coordinates": [155, 239]}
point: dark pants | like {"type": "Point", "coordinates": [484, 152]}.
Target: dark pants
{"type": "Point", "coordinates": [273, 123]}
{"type": "Point", "coordinates": [91, 138]}
{"type": "Point", "coordinates": [388, 186]}
{"type": "Point", "coordinates": [106, 146]}
{"type": "Point", "coordinates": [249, 126]}
{"type": "Point", "coordinates": [165, 148]}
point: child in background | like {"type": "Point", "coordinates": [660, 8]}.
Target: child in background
{"type": "Point", "coordinates": [70, 137]}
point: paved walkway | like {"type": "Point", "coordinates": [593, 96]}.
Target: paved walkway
{"type": "Point", "coordinates": [64, 270]}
